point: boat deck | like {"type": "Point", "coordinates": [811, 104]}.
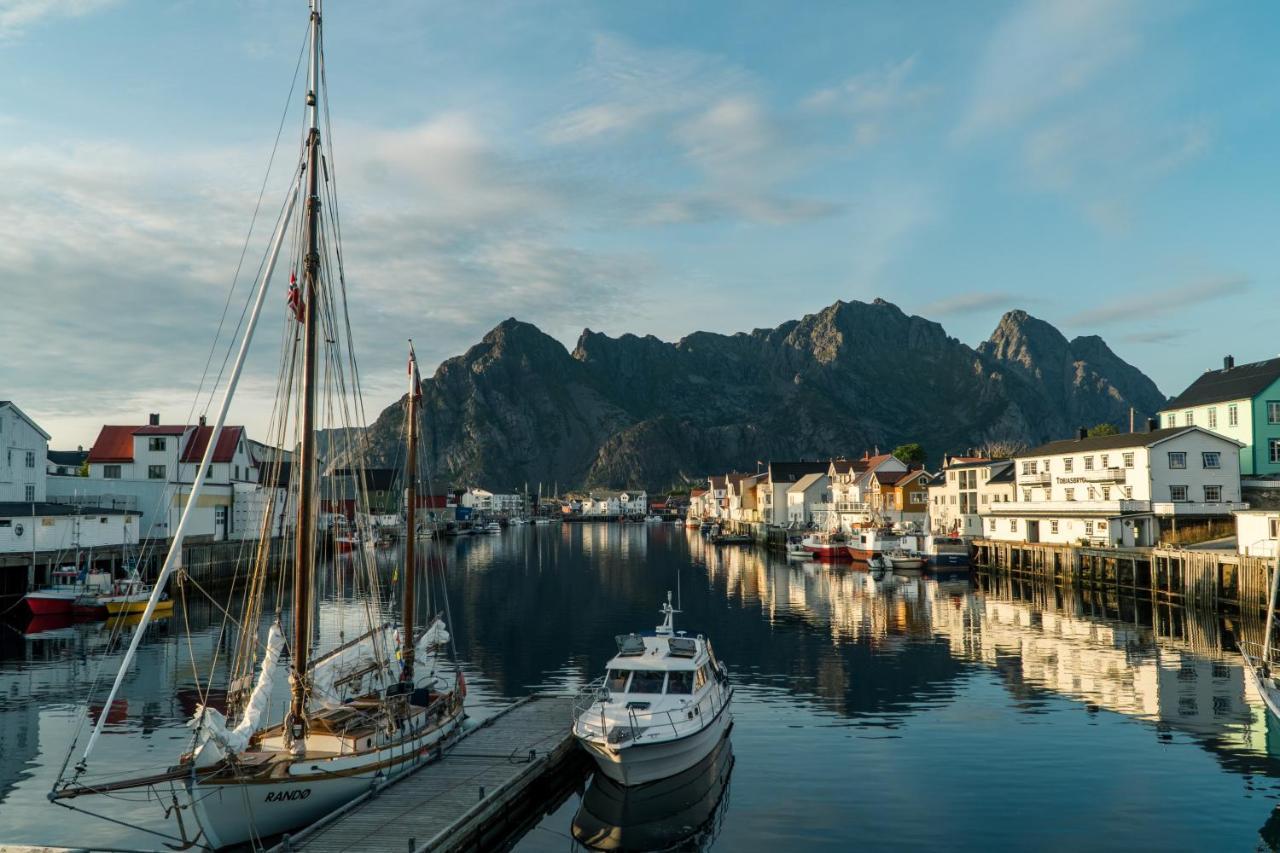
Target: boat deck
{"type": "Point", "coordinates": [463, 800]}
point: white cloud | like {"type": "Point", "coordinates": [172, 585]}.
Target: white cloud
{"type": "Point", "coordinates": [1045, 52]}
{"type": "Point", "coordinates": [972, 303]}
{"type": "Point", "coordinates": [17, 16]}
{"type": "Point", "coordinates": [1159, 303]}
{"type": "Point", "coordinates": [873, 99]}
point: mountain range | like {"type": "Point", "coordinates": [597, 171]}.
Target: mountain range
{"type": "Point", "coordinates": [518, 407]}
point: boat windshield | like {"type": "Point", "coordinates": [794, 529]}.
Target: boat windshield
{"type": "Point", "coordinates": [617, 680]}
{"type": "Point", "coordinates": [643, 681]}
{"type": "Point", "coordinates": [680, 681]}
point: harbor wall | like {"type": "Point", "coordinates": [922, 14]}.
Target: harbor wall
{"type": "Point", "coordinates": [1192, 577]}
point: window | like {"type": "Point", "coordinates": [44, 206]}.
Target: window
{"type": "Point", "coordinates": [1106, 493]}
{"type": "Point", "coordinates": [1171, 420]}
{"type": "Point", "coordinates": [1026, 494]}
{"type": "Point", "coordinates": [700, 677]}
{"type": "Point", "coordinates": [680, 681]}
{"type": "Point", "coordinates": [617, 680]}
{"type": "Point", "coordinates": [1273, 527]}
{"type": "Point", "coordinates": [1177, 459]}
{"type": "Point", "coordinates": [1213, 417]}
{"type": "Point", "coordinates": [1088, 463]}
{"type": "Point", "coordinates": [1177, 493]}
{"type": "Point", "coordinates": [1101, 527]}
{"type": "Point", "coordinates": [1233, 415]}
{"type": "Point", "coordinates": [1273, 411]}
{"type": "Point", "coordinates": [1093, 493]}
{"type": "Point", "coordinates": [1128, 460]}
{"type": "Point", "coordinates": [1067, 464]}
{"type": "Point", "coordinates": [1212, 494]}
{"type": "Point", "coordinates": [1013, 525]}
{"type": "Point", "coordinates": [155, 472]}
{"type": "Point", "coordinates": [31, 459]}
{"type": "Point", "coordinates": [1070, 493]}
{"type": "Point", "coordinates": [1127, 491]}
{"type": "Point", "coordinates": [1273, 449]}
{"type": "Point", "coordinates": [1053, 526]}
{"type": "Point", "coordinates": [30, 493]}
{"type": "Point", "coordinates": [951, 475]}
{"type": "Point", "coordinates": [1211, 459]}
{"type": "Point", "coordinates": [155, 444]}
{"type": "Point", "coordinates": [237, 476]}
{"type": "Point", "coordinates": [1028, 467]}
{"type": "Point", "coordinates": [1188, 418]}
{"type": "Point", "coordinates": [991, 525]}
{"type": "Point", "coordinates": [111, 472]}
{"type": "Point", "coordinates": [643, 681]}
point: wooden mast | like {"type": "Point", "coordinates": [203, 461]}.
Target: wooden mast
{"type": "Point", "coordinates": [409, 594]}
{"type": "Point", "coordinates": [304, 557]}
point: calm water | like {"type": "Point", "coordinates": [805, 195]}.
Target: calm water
{"type": "Point", "coordinates": [910, 715]}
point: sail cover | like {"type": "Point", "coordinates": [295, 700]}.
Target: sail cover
{"type": "Point", "coordinates": [359, 668]}
{"type": "Point", "coordinates": [212, 725]}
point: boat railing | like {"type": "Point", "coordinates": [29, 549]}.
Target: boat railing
{"type": "Point", "coordinates": [590, 715]}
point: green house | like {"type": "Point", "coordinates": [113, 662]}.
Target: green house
{"type": "Point", "coordinates": [1240, 402]}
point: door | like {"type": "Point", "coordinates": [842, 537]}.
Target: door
{"type": "Point", "coordinates": [219, 523]}
{"type": "Point", "coordinates": [1033, 531]}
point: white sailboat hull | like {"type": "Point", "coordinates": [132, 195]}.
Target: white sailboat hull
{"type": "Point", "coordinates": [643, 763]}
{"type": "Point", "coordinates": [231, 814]}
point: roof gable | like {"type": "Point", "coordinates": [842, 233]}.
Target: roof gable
{"type": "Point", "coordinates": [224, 451]}
{"type": "Point", "coordinates": [9, 404]}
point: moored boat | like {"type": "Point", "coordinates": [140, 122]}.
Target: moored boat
{"type": "Point", "coordinates": [867, 542]}
{"type": "Point", "coordinates": [66, 586]}
{"type": "Point", "coordinates": [662, 706]}
{"type": "Point", "coordinates": [946, 552]}
{"type": "Point", "coordinates": [905, 559]}
{"type": "Point", "coordinates": [829, 548]}
{"type": "Point", "coordinates": [796, 549]}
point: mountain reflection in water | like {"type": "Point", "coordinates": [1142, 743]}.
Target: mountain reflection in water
{"type": "Point", "coordinates": [907, 713]}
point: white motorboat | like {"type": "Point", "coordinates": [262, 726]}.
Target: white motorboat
{"type": "Point", "coordinates": [492, 527]}
{"type": "Point", "coordinates": [662, 707]}
{"type": "Point", "coordinates": [905, 559]}
{"type": "Point", "coordinates": [653, 519]}
{"type": "Point", "coordinates": [1260, 661]}
{"type": "Point", "coordinates": [796, 549]}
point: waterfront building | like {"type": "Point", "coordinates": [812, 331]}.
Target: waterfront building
{"type": "Point", "coordinates": [900, 498]}
{"type": "Point", "coordinates": [740, 497]}
{"type": "Point", "coordinates": [1257, 532]}
{"type": "Point", "coordinates": [149, 469]}
{"type": "Point", "coordinates": [65, 463]}
{"type": "Point", "coordinates": [23, 449]}
{"type": "Point", "coordinates": [851, 486]}
{"type": "Point", "coordinates": [1131, 489]}
{"type": "Point", "coordinates": [1241, 402]}
{"type": "Point", "coordinates": [772, 489]}
{"type": "Point", "coordinates": [808, 499]}
{"type": "Point", "coordinates": [964, 487]}
{"type": "Point", "coordinates": [602, 503]}
{"type": "Point", "coordinates": [698, 503]}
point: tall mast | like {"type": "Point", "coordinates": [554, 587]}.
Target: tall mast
{"type": "Point", "coordinates": [408, 618]}
{"type": "Point", "coordinates": [304, 558]}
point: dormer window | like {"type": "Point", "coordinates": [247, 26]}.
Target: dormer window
{"type": "Point", "coordinates": [156, 444]}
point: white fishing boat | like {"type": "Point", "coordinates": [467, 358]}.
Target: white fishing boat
{"type": "Point", "coordinates": [382, 698]}
{"type": "Point", "coordinates": [662, 706]}
{"type": "Point", "coordinates": [905, 559]}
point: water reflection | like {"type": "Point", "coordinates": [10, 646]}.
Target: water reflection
{"type": "Point", "coordinates": [845, 684]}
{"type": "Point", "coordinates": [683, 812]}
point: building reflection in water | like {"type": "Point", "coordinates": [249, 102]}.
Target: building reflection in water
{"type": "Point", "coordinates": [1175, 668]}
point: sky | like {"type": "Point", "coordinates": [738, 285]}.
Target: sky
{"type": "Point", "coordinates": [656, 168]}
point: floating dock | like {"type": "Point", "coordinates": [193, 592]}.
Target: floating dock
{"type": "Point", "coordinates": [472, 796]}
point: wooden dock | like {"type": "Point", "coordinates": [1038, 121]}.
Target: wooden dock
{"type": "Point", "coordinates": [468, 798]}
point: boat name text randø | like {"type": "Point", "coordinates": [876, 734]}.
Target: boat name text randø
{"type": "Point", "coordinates": [278, 796]}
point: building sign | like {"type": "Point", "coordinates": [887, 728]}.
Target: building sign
{"type": "Point", "coordinates": [1098, 478]}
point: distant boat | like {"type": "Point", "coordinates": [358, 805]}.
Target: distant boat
{"type": "Point", "coordinates": [868, 542]}
{"type": "Point", "coordinates": [796, 549]}
{"type": "Point", "coordinates": [65, 587]}
{"type": "Point", "coordinates": [827, 548]}
{"type": "Point", "coordinates": [653, 519]}
{"type": "Point", "coordinates": [905, 559]}
{"type": "Point", "coordinates": [492, 527]}
{"type": "Point", "coordinates": [946, 552]}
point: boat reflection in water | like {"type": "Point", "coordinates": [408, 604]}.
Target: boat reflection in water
{"type": "Point", "coordinates": [684, 811]}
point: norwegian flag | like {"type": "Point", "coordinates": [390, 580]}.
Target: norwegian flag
{"type": "Point", "coordinates": [295, 299]}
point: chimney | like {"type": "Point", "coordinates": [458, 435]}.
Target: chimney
{"type": "Point", "coordinates": [1082, 433]}
{"type": "Point", "coordinates": [202, 420]}
{"type": "Point", "coordinates": [1152, 424]}
{"type": "Point", "coordinates": [154, 419]}
{"type": "Point", "coordinates": [1228, 362]}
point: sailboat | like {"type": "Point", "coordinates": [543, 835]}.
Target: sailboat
{"type": "Point", "coordinates": [1259, 660]}
{"type": "Point", "coordinates": [378, 702]}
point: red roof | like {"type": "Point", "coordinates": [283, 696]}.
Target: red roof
{"type": "Point", "coordinates": [114, 444]}
{"type": "Point", "coordinates": [224, 452]}
{"type": "Point", "coordinates": [695, 493]}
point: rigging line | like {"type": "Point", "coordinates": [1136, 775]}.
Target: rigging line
{"type": "Point", "coordinates": [284, 114]}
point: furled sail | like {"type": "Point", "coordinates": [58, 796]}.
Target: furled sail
{"type": "Point", "coordinates": [359, 668]}
{"type": "Point", "coordinates": [212, 725]}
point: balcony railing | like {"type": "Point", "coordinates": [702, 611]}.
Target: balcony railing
{"type": "Point", "coordinates": [1041, 479]}
{"type": "Point", "coordinates": [852, 506]}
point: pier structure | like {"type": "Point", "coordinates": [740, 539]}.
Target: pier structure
{"type": "Point", "coordinates": [1201, 578]}
{"type": "Point", "coordinates": [492, 780]}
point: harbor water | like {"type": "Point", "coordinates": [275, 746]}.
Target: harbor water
{"type": "Point", "coordinates": [909, 713]}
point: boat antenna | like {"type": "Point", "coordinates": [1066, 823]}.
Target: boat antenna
{"type": "Point", "coordinates": [305, 552]}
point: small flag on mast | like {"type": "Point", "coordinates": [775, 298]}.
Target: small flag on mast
{"type": "Point", "coordinates": [295, 299]}
{"type": "Point", "coordinates": [413, 373]}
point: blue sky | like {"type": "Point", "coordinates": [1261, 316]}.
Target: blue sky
{"type": "Point", "coordinates": [1110, 167]}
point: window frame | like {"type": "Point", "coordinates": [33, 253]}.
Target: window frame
{"type": "Point", "coordinates": [1173, 493]}
{"type": "Point", "coordinates": [1217, 459]}
{"type": "Point", "coordinates": [1217, 488]}
{"type": "Point", "coordinates": [1181, 464]}
{"type": "Point", "coordinates": [153, 475]}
